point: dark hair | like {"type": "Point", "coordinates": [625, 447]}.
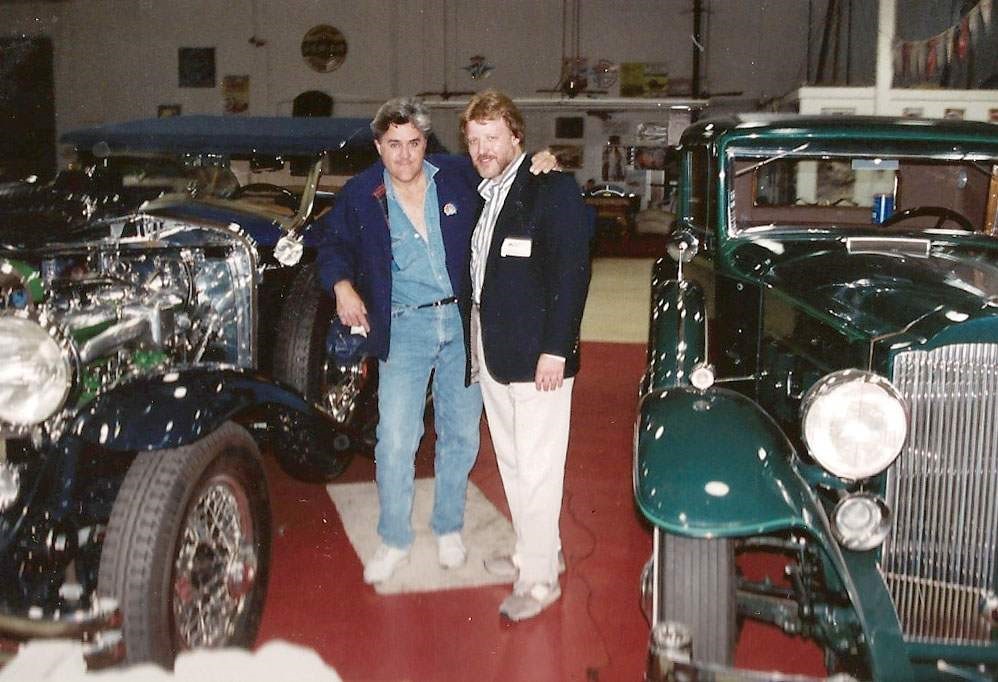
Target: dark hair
{"type": "Point", "coordinates": [399, 111]}
{"type": "Point", "coordinates": [489, 105]}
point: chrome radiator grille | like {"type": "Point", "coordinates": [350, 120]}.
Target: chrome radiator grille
{"type": "Point", "coordinates": [940, 560]}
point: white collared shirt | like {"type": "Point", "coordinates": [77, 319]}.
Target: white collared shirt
{"type": "Point", "coordinates": [494, 192]}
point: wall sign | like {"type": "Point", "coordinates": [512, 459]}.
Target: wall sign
{"type": "Point", "coordinates": [196, 67]}
{"type": "Point", "coordinates": [324, 48]}
{"type": "Point", "coordinates": [235, 94]}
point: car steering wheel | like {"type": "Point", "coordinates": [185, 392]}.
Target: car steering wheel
{"type": "Point", "coordinates": [267, 187]}
{"type": "Point", "coordinates": [940, 212]}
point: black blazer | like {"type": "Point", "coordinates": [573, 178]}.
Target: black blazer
{"type": "Point", "coordinates": [532, 304]}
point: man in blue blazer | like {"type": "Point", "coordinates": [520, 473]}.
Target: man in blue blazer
{"type": "Point", "coordinates": [530, 274]}
{"type": "Point", "coordinates": [395, 254]}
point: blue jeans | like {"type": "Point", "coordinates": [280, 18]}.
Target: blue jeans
{"type": "Point", "coordinates": [423, 340]}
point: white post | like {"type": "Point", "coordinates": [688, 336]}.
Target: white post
{"type": "Point", "coordinates": [886, 16]}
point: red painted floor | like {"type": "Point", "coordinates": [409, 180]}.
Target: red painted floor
{"type": "Point", "coordinates": [595, 632]}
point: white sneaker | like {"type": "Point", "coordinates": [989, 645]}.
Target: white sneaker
{"type": "Point", "coordinates": [450, 550]}
{"type": "Point", "coordinates": [529, 601]}
{"type": "Point", "coordinates": [384, 562]}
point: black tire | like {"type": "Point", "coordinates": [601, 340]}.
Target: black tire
{"type": "Point", "coordinates": [347, 393]}
{"type": "Point", "coordinates": [162, 574]}
{"type": "Point", "coordinates": [696, 587]}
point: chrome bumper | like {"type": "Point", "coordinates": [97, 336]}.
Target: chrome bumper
{"type": "Point", "coordinates": [98, 629]}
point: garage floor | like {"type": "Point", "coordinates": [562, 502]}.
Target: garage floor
{"type": "Point", "coordinates": [595, 632]}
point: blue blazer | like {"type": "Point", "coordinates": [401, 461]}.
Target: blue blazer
{"type": "Point", "coordinates": [356, 243]}
{"type": "Point", "coordinates": [533, 304]}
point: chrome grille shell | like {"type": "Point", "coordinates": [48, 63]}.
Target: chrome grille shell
{"type": "Point", "coordinates": [940, 559]}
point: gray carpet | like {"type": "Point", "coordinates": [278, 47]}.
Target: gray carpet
{"type": "Point", "coordinates": [485, 531]}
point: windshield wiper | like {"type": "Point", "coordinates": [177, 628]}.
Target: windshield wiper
{"type": "Point", "coordinates": [779, 156]}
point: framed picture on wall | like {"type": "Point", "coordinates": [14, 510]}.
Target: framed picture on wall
{"type": "Point", "coordinates": [649, 158]}
{"type": "Point", "coordinates": [235, 94]}
{"type": "Point", "coordinates": [569, 127]}
{"type": "Point", "coordinates": [570, 156]}
{"type": "Point", "coordinates": [196, 67]}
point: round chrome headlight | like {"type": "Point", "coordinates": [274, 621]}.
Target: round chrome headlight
{"type": "Point", "coordinates": [35, 372]}
{"type": "Point", "coordinates": [855, 423]}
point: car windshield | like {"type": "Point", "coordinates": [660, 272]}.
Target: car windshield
{"type": "Point", "coordinates": [792, 190]}
{"type": "Point", "coordinates": [270, 186]}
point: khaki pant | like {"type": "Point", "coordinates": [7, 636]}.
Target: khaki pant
{"type": "Point", "coordinates": [529, 430]}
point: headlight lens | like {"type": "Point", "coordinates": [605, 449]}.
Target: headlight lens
{"type": "Point", "coordinates": [35, 372]}
{"type": "Point", "coordinates": [861, 521]}
{"type": "Point", "coordinates": [855, 423]}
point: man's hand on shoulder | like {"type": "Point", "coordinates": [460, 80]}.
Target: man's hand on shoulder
{"type": "Point", "coordinates": [544, 162]}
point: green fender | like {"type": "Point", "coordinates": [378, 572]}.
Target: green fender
{"type": "Point", "coordinates": [713, 464]}
{"type": "Point", "coordinates": [677, 332]}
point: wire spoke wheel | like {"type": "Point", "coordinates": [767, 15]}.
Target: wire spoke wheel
{"type": "Point", "coordinates": [216, 565]}
{"type": "Point", "coordinates": [187, 548]}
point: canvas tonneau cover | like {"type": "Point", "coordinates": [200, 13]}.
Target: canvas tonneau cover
{"type": "Point", "coordinates": [226, 135]}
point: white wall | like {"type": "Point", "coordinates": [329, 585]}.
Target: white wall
{"type": "Point", "coordinates": [117, 59]}
{"type": "Point", "coordinates": [976, 105]}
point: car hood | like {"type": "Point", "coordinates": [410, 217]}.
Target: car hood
{"type": "Point", "coordinates": [870, 292]}
{"type": "Point", "coordinates": [38, 231]}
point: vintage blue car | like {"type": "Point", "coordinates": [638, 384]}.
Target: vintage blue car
{"type": "Point", "coordinates": [160, 326]}
{"type": "Point", "coordinates": [822, 385]}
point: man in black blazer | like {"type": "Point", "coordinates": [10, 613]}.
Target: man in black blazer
{"type": "Point", "coordinates": [530, 276]}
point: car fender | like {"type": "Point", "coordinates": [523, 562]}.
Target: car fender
{"type": "Point", "coordinates": [178, 407]}
{"type": "Point", "coordinates": [678, 332]}
{"type": "Point", "coordinates": [713, 464]}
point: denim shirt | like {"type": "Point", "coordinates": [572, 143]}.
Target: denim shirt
{"type": "Point", "coordinates": [419, 269]}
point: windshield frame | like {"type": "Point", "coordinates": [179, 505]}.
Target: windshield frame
{"type": "Point", "coordinates": [825, 149]}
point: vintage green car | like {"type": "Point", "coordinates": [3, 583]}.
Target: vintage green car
{"type": "Point", "coordinates": [822, 385]}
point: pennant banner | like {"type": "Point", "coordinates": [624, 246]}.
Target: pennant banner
{"type": "Point", "coordinates": [965, 55]}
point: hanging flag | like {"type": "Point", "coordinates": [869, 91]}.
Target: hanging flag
{"type": "Point", "coordinates": [932, 47]}
{"type": "Point", "coordinates": [963, 39]}
{"type": "Point", "coordinates": [985, 7]}
{"type": "Point", "coordinates": [899, 63]}
{"type": "Point", "coordinates": [919, 50]}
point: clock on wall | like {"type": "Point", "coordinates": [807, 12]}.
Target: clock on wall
{"type": "Point", "coordinates": [324, 48]}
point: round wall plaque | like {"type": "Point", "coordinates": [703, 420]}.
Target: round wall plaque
{"type": "Point", "coordinates": [324, 48]}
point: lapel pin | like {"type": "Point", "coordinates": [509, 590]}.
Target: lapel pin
{"type": "Point", "coordinates": [450, 209]}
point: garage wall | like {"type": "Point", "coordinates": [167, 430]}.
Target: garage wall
{"type": "Point", "coordinates": [117, 59]}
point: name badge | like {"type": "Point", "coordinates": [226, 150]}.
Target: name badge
{"type": "Point", "coordinates": [516, 246]}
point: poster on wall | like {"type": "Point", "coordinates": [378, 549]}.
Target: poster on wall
{"type": "Point", "coordinates": [235, 94]}
{"type": "Point", "coordinates": [196, 66]}
{"type": "Point", "coordinates": [644, 79]}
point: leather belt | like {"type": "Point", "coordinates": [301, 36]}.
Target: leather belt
{"type": "Point", "coordinates": [442, 301]}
